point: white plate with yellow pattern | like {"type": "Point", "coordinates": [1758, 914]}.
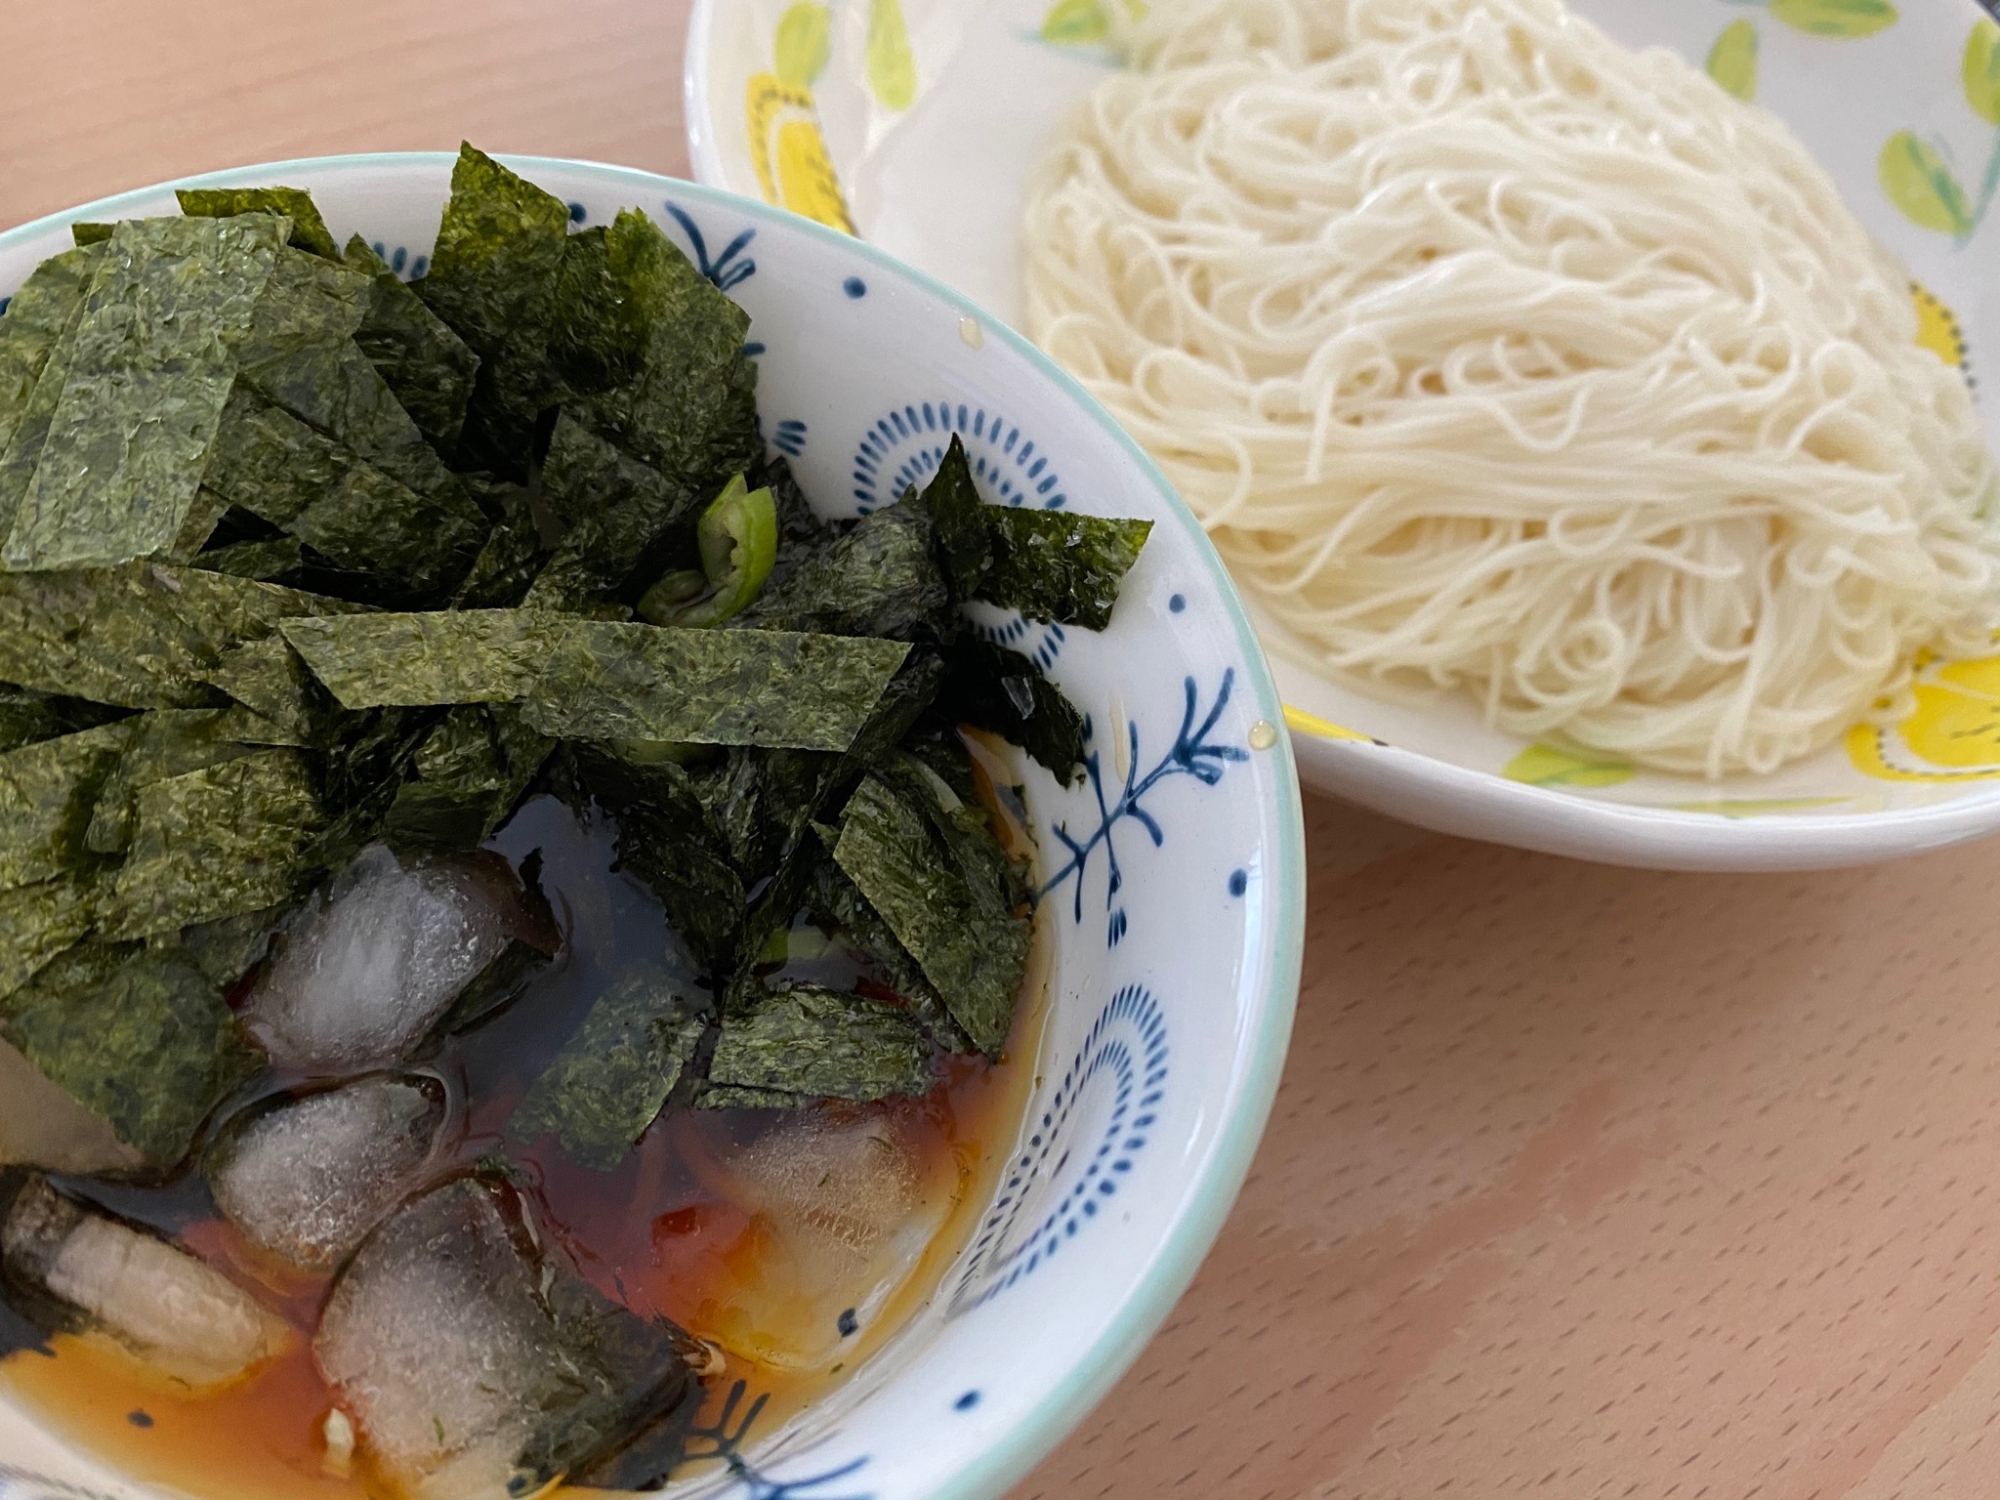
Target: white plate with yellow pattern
{"type": "Point", "coordinates": [915, 122]}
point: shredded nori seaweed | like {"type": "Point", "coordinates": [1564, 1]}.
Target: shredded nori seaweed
{"type": "Point", "coordinates": [325, 560]}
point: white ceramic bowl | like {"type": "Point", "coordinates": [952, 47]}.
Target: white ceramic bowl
{"type": "Point", "coordinates": [917, 121]}
{"type": "Point", "coordinates": [1175, 908]}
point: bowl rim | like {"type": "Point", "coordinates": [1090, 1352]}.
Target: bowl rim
{"type": "Point", "coordinates": [1009, 1455]}
{"type": "Point", "coordinates": [1469, 802]}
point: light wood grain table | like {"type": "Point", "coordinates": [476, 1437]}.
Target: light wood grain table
{"type": "Point", "coordinates": [1583, 1182]}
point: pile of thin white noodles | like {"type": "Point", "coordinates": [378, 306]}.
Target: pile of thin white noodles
{"type": "Point", "coordinates": [1496, 356]}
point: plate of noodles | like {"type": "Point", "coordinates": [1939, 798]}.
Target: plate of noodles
{"type": "Point", "coordinates": [1587, 398]}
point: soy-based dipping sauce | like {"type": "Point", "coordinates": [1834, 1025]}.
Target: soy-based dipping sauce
{"type": "Point", "coordinates": [796, 1243]}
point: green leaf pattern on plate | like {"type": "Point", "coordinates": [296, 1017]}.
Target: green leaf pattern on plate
{"type": "Point", "coordinates": [1915, 173]}
{"type": "Point", "coordinates": [1732, 61]}
{"type": "Point", "coordinates": [1922, 185]}
{"type": "Point", "coordinates": [1071, 23]}
{"type": "Point", "coordinates": [1982, 70]}
{"type": "Point", "coordinates": [1551, 765]}
{"type": "Point", "coordinates": [892, 67]}
{"type": "Point", "coordinates": [803, 43]}
{"type": "Point", "coordinates": [1835, 18]}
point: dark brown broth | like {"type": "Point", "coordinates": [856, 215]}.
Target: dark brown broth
{"type": "Point", "coordinates": [658, 1232]}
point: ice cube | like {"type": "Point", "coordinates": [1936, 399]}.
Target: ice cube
{"type": "Point", "coordinates": [846, 1208]}
{"type": "Point", "coordinates": [473, 1367]}
{"type": "Point", "coordinates": [309, 1178]}
{"type": "Point", "coordinates": [187, 1320]}
{"type": "Point", "coordinates": [367, 969]}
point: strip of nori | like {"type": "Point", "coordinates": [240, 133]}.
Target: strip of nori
{"type": "Point", "coordinates": [149, 367]}
{"type": "Point", "coordinates": [214, 843]}
{"type": "Point", "coordinates": [27, 716]}
{"type": "Point", "coordinates": [837, 902]}
{"type": "Point", "coordinates": [310, 365]}
{"type": "Point", "coordinates": [617, 513]}
{"type": "Point", "coordinates": [1055, 565]}
{"type": "Point", "coordinates": [139, 636]}
{"type": "Point", "coordinates": [141, 1037]}
{"type": "Point", "coordinates": [513, 556]}
{"type": "Point", "coordinates": [1004, 692]}
{"type": "Point", "coordinates": [595, 679]}
{"type": "Point", "coordinates": [726, 1096]}
{"type": "Point", "coordinates": [270, 463]}
{"type": "Point", "coordinates": [1050, 565]}
{"type": "Point", "coordinates": [691, 410]}
{"type": "Point", "coordinates": [371, 524]}
{"type": "Point", "coordinates": [492, 280]}
{"type": "Point", "coordinates": [271, 560]}
{"type": "Point", "coordinates": [362, 769]}
{"type": "Point", "coordinates": [430, 368]}
{"type": "Point", "coordinates": [611, 1079]}
{"type": "Point", "coordinates": [47, 790]}
{"type": "Point", "coordinates": [601, 305]}
{"type": "Point", "coordinates": [39, 921]}
{"type": "Point", "coordinates": [333, 387]}
{"type": "Point", "coordinates": [720, 687]}
{"type": "Point", "coordinates": [419, 660]}
{"type": "Point", "coordinates": [817, 1043]}
{"type": "Point", "coordinates": [951, 499]}
{"type": "Point", "coordinates": [945, 888]}
{"type": "Point", "coordinates": [667, 837]}
{"type": "Point", "coordinates": [307, 301]}
{"type": "Point", "coordinates": [227, 948]}
{"type": "Point", "coordinates": [35, 319]}
{"type": "Point", "coordinates": [267, 677]}
{"type": "Point", "coordinates": [309, 231]}
{"type": "Point", "coordinates": [30, 421]}
{"type": "Point", "coordinates": [470, 774]}
{"type": "Point", "coordinates": [203, 517]}
{"type": "Point", "coordinates": [879, 579]}
{"type": "Point", "coordinates": [167, 742]}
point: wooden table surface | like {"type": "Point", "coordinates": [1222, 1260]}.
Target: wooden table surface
{"type": "Point", "coordinates": [1583, 1182]}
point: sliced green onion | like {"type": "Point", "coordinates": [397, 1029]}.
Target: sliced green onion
{"type": "Point", "coordinates": [738, 537]}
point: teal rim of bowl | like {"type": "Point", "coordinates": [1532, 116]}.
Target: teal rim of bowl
{"type": "Point", "coordinates": [1027, 1442]}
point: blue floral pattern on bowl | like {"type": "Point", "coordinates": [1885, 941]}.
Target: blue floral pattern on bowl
{"type": "Point", "coordinates": [1120, 1069]}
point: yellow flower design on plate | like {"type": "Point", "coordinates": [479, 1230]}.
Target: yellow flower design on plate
{"type": "Point", "coordinates": [1938, 330]}
{"type": "Point", "coordinates": [794, 168]}
{"type": "Point", "coordinates": [1835, 18]}
{"type": "Point", "coordinates": [1952, 735]}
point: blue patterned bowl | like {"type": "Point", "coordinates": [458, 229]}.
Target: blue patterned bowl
{"type": "Point", "coordinates": [1172, 880]}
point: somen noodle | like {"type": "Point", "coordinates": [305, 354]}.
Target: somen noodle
{"type": "Point", "coordinates": [1496, 356]}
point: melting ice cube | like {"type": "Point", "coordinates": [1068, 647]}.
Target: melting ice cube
{"type": "Point", "coordinates": [846, 1208]}
{"type": "Point", "coordinates": [307, 1179]}
{"type": "Point", "coordinates": [475, 1368]}
{"type": "Point", "coordinates": [367, 969]}
{"type": "Point", "coordinates": [189, 1321]}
